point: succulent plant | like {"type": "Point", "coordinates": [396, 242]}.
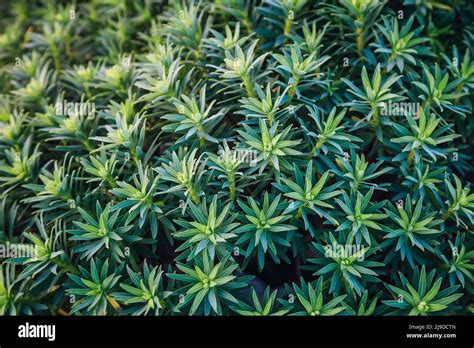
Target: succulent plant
{"type": "Point", "coordinates": [244, 157]}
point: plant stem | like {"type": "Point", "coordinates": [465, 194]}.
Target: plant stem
{"type": "Point", "coordinates": [248, 86]}
{"type": "Point", "coordinates": [66, 266]}
{"type": "Point", "coordinates": [448, 212]}
{"type": "Point", "coordinates": [193, 194]}
{"type": "Point", "coordinates": [411, 156]}
{"type": "Point", "coordinates": [288, 23]}
{"type": "Point", "coordinates": [299, 213]}
{"type": "Point", "coordinates": [111, 181]}
{"type": "Point", "coordinates": [293, 87]}
{"type": "Point", "coordinates": [232, 186]}
{"type": "Point", "coordinates": [360, 42]}
{"type": "Point", "coordinates": [318, 144]}
{"type": "Point", "coordinates": [374, 121]}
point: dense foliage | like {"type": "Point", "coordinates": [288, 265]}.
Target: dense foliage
{"type": "Point", "coordinates": [236, 157]}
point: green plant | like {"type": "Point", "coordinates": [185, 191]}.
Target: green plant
{"type": "Point", "coordinates": [264, 308]}
{"type": "Point", "coordinates": [236, 157]}
{"type": "Point", "coordinates": [209, 231]}
{"type": "Point", "coordinates": [360, 215]}
{"type": "Point", "coordinates": [145, 291]}
{"type": "Point", "coordinates": [264, 231]}
{"type": "Point", "coordinates": [94, 288]}
{"type": "Point", "coordinates": [422, 296]}
{"type": "Point", "coordinates": [208, 285]}
{"type": "Point", "coordinates": [414, 229]}
{"type": "Point", "coordinates": [347, 265]}
{"type": "Point", "coordinates": [308, 197]}
{"type": "Point", "coordinates": [310, 300]}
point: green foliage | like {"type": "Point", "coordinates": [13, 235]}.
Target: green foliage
{"type": "Point", "coordinates": [101, 232]}
{"type": "Point", "coordinates": [272, 146]}
{"type": "Point", "coordinates": [422, 296]}
{"type": "Point", "coordinates": [414, 226]}
{"type": "Point", "coordinates": [348, 267]}
{"type": "Point", "coordinates": [145, 293]}
{"type": "Point", "coordinates": [261, 309]}
{"type": "Point", "coordinates": [308, 197]}
{"type": "Point", "coordinates": [208, 231]}
{"type": "Point", "coordinates": [360, 216]}
{"type": "Point", "coordinates": [247, 157]}
{"type": "Point", "coordinates": [310, 300]}
{"type": "Point", "coordinates": [94, 288]}
{"type": "Point", "coordinates": [264, 231]}
{"type": "Point", "coordinates": [208, 285]}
